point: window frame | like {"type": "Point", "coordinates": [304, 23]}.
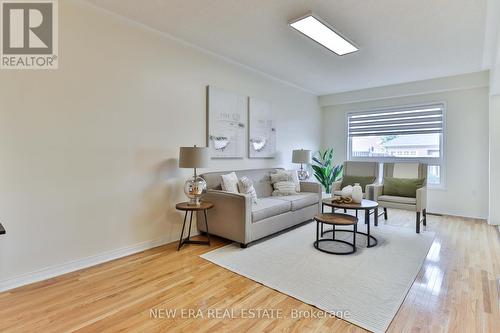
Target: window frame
{"type": "Point", "coordinates": [441, 161]}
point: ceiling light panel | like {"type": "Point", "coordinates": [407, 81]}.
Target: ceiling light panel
{"type": "Point", "coordinates": [322, 33]}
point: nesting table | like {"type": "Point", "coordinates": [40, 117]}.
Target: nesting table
{"type": "Point", "coordinates": [334, 220]}
{"type": "Point", "coordinates": [368, 206]}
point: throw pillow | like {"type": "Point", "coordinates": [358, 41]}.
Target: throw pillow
{"type": "Point", "coordinates": [246, 187]}
{"type": "Point", "coordinates": [281, 176]}
{"type": "Point", "coordinates": [361, 180]}
{"type": "Point", "coordinates": [402, 187]}
{"type": "Point", "coordinates": [283, 183]}
{"type": "Point", "coordinates": [283, 188]}
{"type": "Point", "coordinates": [230, 182]}
{"type": "Point", "coordinates": [295, 178]}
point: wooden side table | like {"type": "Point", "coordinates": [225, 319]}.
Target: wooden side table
{"type": "Point", "coordinates": [191, 208]}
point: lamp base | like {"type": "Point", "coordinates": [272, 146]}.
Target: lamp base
{"type": "Point", "coordinates": [303, 174]}
{"type": "Point", "coordinates": [194, 201]}
{"type": "Point", "coordinates": [194, 190]}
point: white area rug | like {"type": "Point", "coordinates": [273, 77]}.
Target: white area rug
{"type": "Point", "coordinates": [370, 284]}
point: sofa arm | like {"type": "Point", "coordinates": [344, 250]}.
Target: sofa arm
{"type": "Point", "coordinates": [421, 199]}
{"type": "Point", "coordinates": [373, 191]}
{"type": "Point", "coordinates": [230, 217]}
{"type": "Point", "coordinates": [336, 186]}
{"type": "Point", "coordinates": [310, 187]}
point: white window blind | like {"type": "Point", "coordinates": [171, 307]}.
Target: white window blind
{"type": "Point", "coordinates": [423, 119]}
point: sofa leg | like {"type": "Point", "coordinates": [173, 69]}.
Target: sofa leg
{"type": "Point", "coordinates": [243, 246]}
{"type": "Point", "coordinates": [418, 222]}
{"type": "Point", "coordinates": [385, 213]}
{"type": "Point", "coordinates": [424, 212]}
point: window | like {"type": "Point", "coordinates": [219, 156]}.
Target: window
{"type": "Point", "coordinates": [400, 134]}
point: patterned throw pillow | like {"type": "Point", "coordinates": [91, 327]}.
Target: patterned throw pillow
{"type": "Point", "coordinates": [283, 183]}
{"type": "Point", "coordinates": [246, 187]}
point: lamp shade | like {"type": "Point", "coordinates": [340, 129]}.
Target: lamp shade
{"type": "Point", "coordinates": [193, 157]}
{"type": "Point", "coordinates": [301, 156]}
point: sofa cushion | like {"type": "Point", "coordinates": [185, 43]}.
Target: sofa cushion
{"type": "Point", "coordinates": [268, 207]}
{"type": "Point", "coordinates": [402, 200]}
{"type": "Point", "coordinates": [301, 200]}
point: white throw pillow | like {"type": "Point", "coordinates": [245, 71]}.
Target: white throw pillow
{"type": "Point", "coordinates": [246, 187]}
{"type": "Point", "coordinates": [230, 182]}
{"type": "Point", "coordinates": [284, 188]}
{"type": "Point", "coordinates": [283, 183]}
{"type": "Point", "coordinates": [295, 178]}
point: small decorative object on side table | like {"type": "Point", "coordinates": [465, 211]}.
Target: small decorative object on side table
{"type": "Point", "coordinates": [2, 230]}
{"type": "Point", "coordinates": [190, 208]}
{"type": "Point", "coordinates": [303, 157]}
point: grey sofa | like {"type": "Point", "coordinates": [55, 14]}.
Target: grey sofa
{"type": "Point", "coordinates": [235, 217]}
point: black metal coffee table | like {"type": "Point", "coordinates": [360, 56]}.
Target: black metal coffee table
{"type": "Point", "coordinates": [365, 205]}
{"type": "Point", "coordinates": [335, 219]}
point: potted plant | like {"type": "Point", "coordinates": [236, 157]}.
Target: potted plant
{"type": "Point", "coordinates": [324, 169]}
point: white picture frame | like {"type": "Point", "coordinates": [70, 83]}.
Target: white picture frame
{"type": "Point", "coordinates": [226, 123]}
{"type": "Point", "coordinates": [261, 129]}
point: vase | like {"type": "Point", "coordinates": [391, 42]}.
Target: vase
{"type": "Point", "coordinates": [357, 193]}
{"type": "Point", "coordinates": [347, 192]}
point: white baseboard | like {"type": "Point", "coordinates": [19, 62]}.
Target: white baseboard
{"type": "Point", "coordinates": [71, 266]}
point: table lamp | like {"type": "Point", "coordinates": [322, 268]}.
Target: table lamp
{"type": "Point", "coordinates": [194, 157]}
{"type": "Point", "coordinates": [303, 157]}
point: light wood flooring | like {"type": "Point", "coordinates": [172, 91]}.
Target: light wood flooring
{"type": "Point", "coordinates": [456, 290]}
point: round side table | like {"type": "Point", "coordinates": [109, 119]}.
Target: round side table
{"type": "Point", "coordinates": [191, 208]}
{"type": "Point", "coordinates": [335, 219]}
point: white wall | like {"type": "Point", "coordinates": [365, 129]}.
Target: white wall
{"type": "Point", "coordinates": [88, 151]}
{"type": "Point", "coordinates": [494, 120]}
{"type": "Point", "coordinates": [466, 137]}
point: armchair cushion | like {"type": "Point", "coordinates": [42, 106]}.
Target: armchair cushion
{"type": "Point", "coordinates": [361, 180]}
{"type": "Point", "coordinates": [397, 199]}
{"type": "Point", "coordinates": [402, 187]}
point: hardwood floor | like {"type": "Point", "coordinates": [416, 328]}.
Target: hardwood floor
{"type": "Point", "coordinates": [457, 290]}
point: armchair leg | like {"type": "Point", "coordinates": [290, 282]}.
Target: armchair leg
{"type": "Point", "coordinates": [243, 246]}
{"type": "Point", "coordinates": [424, 212]}
{"type": "Point", "coordinates": [385, 213]}
{"type": "Point", "coordinates": [418, 222]}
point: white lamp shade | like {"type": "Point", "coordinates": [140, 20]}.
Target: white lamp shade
{"type": "Point", "coordinates": [193, 157]}
{"type": "Point", "coordinates": [301, 156]}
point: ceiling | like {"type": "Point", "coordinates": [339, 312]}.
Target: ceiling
{"type": "Point", "coordinates": [399, 41]}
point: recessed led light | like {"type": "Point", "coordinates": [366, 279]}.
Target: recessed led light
{"type": "Point", "coordinates": [319, 31]}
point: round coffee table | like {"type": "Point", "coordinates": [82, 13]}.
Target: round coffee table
{"type": "Point", "coordinates": [335, 219]}
{"type": "Point", "coordinates": [365, 205]}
